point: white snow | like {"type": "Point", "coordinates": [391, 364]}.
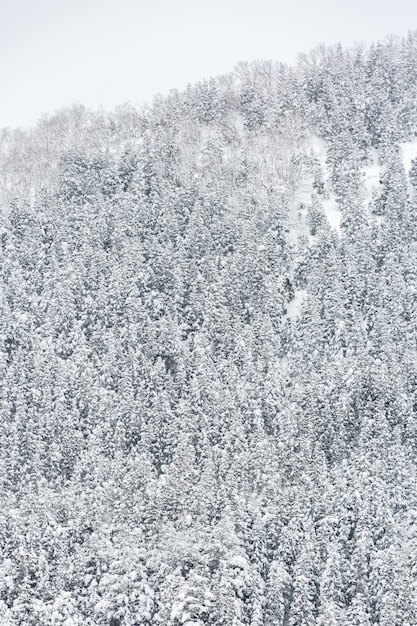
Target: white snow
{"type": "Point", "coordinates": [371, 176]}
{"type": "Point", "coordinates": [319, 148]}
{"type": "Point", "coordinates": [304, 192]}
{"type": "Point", "coordinates": [330, 205]}
{"type": "Point", "coordinates": [332, 212]}
{"type": "Point", "coordinates": [238, 561]}
{"type": "Point", "coordinates": [294, 307]}
{"type": "Point", "coordinates": [408, 153]}
{"type": "Point", "coordinates": [298, 222]}
{"type": "Point", "coordinates": [372, 173]}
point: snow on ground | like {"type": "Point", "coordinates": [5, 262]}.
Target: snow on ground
{"type": "Point", "coordinates": [332, 212]}
{"type": "Point", "coordinates": [294, 307]}
{"type": "Point", "coordinates": [298, 209]}
{"type": "Point", "coordinates": [305, 189]}
{"type": "Point", "coordinates": [330, 205]}
{"type": "Point", "coordinates": [408, 153]}
{"type": "Point", "coordinates": [372, 174]}
{"type": "Point", "coordinates": [298, 226]}
{"type": "Point", "coordinates": [318, 146]}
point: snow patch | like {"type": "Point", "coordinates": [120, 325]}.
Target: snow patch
{"type": "Point", "coordinates": [298, 223]}
{"type": "Point", "coordinates": [304, 190]}
{"type": "Point", "coordinates": [372, 176]}
{"type": "Point", "coordinates": [332, 212]}
{"type": "Point", "coordinates": [318, 146]}
{"type": "Point", "coordinates": [408, 151]}
{"type": "Point", "coordinates": [294, 307]}
{"type": "Point", "coordinates": [330, 205]}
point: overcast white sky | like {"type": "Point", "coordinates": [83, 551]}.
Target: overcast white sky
{"type": "Point", "coordinates": [57, 52]}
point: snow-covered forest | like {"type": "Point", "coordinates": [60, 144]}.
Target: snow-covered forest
{"type": "Point", "coordinates": [208, 352]}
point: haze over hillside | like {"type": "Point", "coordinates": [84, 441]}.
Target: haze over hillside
{"type": "Point", "coordinates": [208, 352]}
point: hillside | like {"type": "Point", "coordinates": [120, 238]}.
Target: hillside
{"type": "Point", "coordinates": [208, 352]}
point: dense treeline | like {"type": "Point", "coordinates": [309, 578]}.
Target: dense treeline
{"type": "Point", "coordinates": [208, 391]}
